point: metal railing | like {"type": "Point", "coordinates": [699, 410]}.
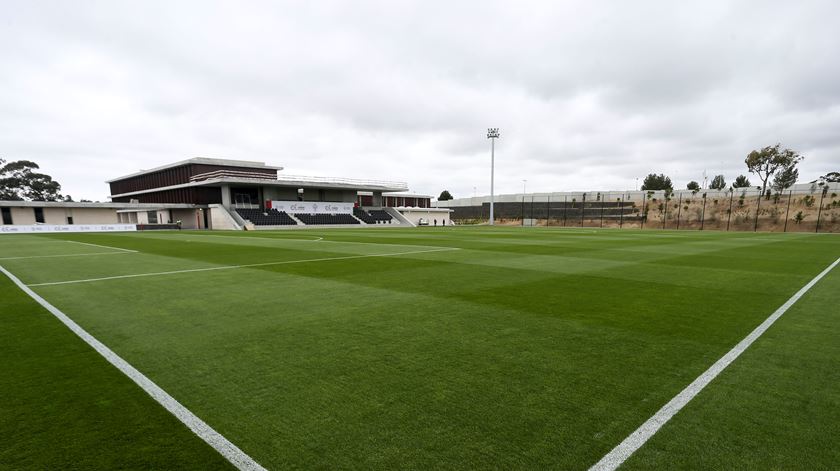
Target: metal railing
{"type": "Point", "coordinates": [396, 185]}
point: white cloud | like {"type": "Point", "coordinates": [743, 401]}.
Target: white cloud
{"type": "Point", "coordinates": [588, 95]}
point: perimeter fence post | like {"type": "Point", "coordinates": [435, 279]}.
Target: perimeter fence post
{"type": "Point", "coordinates": [602, 200]}
{"type": "Point", "coordinates": [644, 214]}
{"type": "Point", "coordinates": [757, 208]}
{"type": "Point", "coordinates": [621, 212]}
{"type": "Point", "coordinates": [582, 208]}
{"type": "Point", "coordinates": [565, 199]}
{"type": "Point", "coordinates": [819, 211]}
{"type": "Point", "coordinates": [532, 207]}
{"type": "Point", "coordinates": [703, 217]}
{"type": "Point", "coordinates": [679, 210]}
{"type": "Point", "coordinates": [548, 212]}
{"type": "Point", "coordinates": [787, 213]}
{"type": "Point", "coordinates": [665, 213]}
{"type": "Point", "coordinates": [729, 216]}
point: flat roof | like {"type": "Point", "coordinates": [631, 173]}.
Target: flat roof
{"type": "Point", "coordinates": [73, 204]}
{"type": "Point", "coordinates": [204, 161]}
{"type": "Point", "coordinates": [286, 181]}
{"type": "Point", "coordinates": [406, 195]}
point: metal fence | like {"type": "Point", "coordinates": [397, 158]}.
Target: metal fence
{"type": "Point", "coordinates": [816, 210]}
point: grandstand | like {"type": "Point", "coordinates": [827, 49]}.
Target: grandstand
{"type": "Point", "coordinates": [244, 194]}
{"type": "Point", "coordinates": [223, 194]}
{"type": "Point", "coordinates": [373, 216]}
{"type": "Point", "coordinates": [270, 217]}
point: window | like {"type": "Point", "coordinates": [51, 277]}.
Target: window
{"type": "Point", "coordinates": [7, 215]}
{"type": "Point", "coordinates": [70, 220]}
{"type": "Point", "coordinates": [152, 217]}
{"type": "Point", "coordinates": [39, 215]}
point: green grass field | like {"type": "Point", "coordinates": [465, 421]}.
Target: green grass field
{"type": "Point", "coordinates": [454, 348]}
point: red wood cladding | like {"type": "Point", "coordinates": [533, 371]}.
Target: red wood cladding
{"type": "Point", "coordinates": [174, 176]}
{"type": "Point", "coordinates": [191, 195]}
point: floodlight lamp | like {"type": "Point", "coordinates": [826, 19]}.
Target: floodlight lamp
{"type": "Point", "coordinates": [492, 133]}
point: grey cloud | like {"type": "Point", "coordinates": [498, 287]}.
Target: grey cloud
{"type": "Point", "coordinates": [588, 94]}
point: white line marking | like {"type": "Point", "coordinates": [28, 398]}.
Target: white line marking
{"type": "Point", "coordinates": [67, 255]}
{"type": "Point", "coordinates": [101, 246]}
{"type": "Point", "coordinates": [290, 239]}
{"type": "Point", "coordinates": [231, 267]}
{"type": "Point", "coordinates": [635, 440]}
{"type": "Point", "coordinates": [213, 438]}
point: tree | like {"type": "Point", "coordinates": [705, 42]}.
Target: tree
{"type": "Point", "coordinates": [657, 182]}
{"type": "Point", "coordinates": [785, 179]}
{"type": "Point", "coordinates": [831, 177]}
{"type": "Point", "coordinates": [693, 186]}
{"type": "Point", "coordinates": [444, 196]}
{"type": "Point", "coordinates": [718, 183]}
{"type": "Point", "coordinates": [770, 160]}
{"type": "Point", "coordinates": [741, 182]}
{"type": "Point", "coordinates": [18, 182]}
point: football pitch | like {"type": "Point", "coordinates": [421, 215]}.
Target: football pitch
{"type": "Point", "coordinates": [427, 348]}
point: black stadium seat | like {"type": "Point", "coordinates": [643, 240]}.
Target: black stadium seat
{"type": "Point", "coordinates": [327, 219]}
{"type": "Point", "coordinates": [373, 216]}
{"type": "Point", "coordinates": [269, 217]}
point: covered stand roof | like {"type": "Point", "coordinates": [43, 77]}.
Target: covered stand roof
{"type": "Point", "coordinates": [247, 173]}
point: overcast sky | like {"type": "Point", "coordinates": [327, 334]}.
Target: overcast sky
{"type": "Point", "coordinates": [588, 95]}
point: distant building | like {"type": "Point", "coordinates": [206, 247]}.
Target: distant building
{"type": "Point", "coordinates": [201, 193]}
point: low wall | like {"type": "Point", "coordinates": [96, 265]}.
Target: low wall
{"type": "Point", "coordinates": [54, 228]}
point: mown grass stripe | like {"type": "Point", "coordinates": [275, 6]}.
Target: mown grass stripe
{"type": "Point", "coordinates": [641, 435]}
{"type": "Point", "coordinates": [66, 255]}
{"type": "Point", "coordinates": [213, 438]}
{"type": "Point", "coordinates": [101, 246]}
{"type": "Point", "coordinates": [233, 267]}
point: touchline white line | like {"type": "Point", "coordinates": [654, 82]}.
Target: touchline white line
{"type": "Point", "coordinates": [213, 438]}
{"type": "Point", "coordinates": [67, 255]}
{"type": "Point", "coordinates": [101, 246]}
{"type": "Point", "coordinates": [635, 440]}
{"type": "Point", "coordinates": [233, 267]}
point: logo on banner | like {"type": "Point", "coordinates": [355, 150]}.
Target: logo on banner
{"type": "Point", "coordinates": [314, 207]}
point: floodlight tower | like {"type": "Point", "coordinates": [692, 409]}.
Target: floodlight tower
{"type": "Point", "coordinates": [492, 134]}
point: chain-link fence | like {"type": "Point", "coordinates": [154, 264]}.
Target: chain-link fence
{"type": "Point", "coordinates": [740, 209]}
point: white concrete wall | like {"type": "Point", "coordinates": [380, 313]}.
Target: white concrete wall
{"type": "Point", "coordinates": [58, 216]}
{"type": "Point", "coordinates": [414, 215]}
{"type": "Point", "coordinates": [23, 216]}
{"type": "Point", "coordinates": [226, 197]}
{"type": "Point", "coordinates": [220, 219]}
{"type": "Point", "coordinates": [93, 216]}
{"type": "Point", "coordinates": [190, 218]}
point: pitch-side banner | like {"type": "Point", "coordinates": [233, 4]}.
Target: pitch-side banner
{"type": "Point", "coordinates": [51, 228]}
{"type": "Point", "coordinates": [313, 207]}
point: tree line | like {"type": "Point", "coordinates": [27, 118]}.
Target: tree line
{"type": "Point", "coordinates": [20, 181]}
{"type": "Point", "coordinates": [766, 163]}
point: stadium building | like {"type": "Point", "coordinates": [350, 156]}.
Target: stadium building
{"type": "Point", "coordinates": [204, 193]}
